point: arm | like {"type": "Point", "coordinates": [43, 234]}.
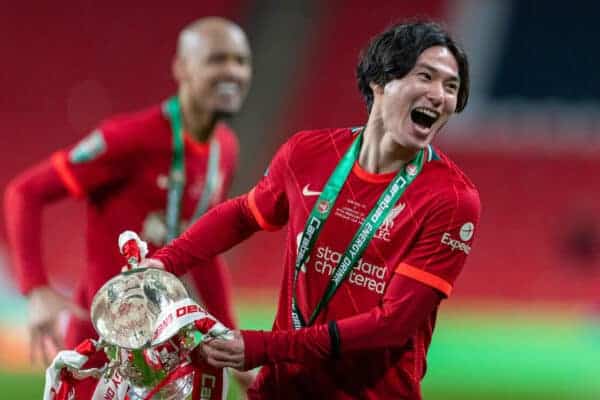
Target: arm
{"type": "Point", "coordinates": [86, 166]}
{"type": "Point", "coordinates": [421, 280]}
{"type": "Point", "coordinates": [90, 164]}
{"type": "Point", "coordinates": [405, 306]}
{"type": "Point", "coordinates": [24, 200]}
{"type": "Point", "coordinates": [218, 230]}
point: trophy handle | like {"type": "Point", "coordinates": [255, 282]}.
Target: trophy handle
{"type": "Point", "coordinates": [132, 248]}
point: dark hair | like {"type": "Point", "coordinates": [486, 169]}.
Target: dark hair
{"type": "Point", "coordinates": [394, 52]}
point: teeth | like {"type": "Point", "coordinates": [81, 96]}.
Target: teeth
{"type": "Point", "coordinates": [428, 112]}
{"type": "Point", "coordinates": [227, 87]}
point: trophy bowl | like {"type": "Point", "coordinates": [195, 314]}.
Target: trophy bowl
{"type": "Point", "coordinates": [125, 310]}
{"type": "Point", "coordinates": [124, 313]}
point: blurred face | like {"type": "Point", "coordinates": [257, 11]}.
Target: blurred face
{"type": "Point", "coordinates": [213, 69]}
{"type": "Point", "coordinates": [415, 107]}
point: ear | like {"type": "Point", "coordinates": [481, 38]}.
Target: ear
{"type": "Point", "coordinates": [178, 69]}
{"type": "Point", "coordinates": [376, 88]}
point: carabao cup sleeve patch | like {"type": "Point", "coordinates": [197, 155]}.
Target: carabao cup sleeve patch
{"type": "Point", "coordinates": [89, 148]}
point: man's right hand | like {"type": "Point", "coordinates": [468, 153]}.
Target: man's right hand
{"type": "Point", "coordinates": [45, 306]}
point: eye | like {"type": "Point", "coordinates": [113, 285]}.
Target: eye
{"type": "Point", "coordinates": [242, 60]}
{"type": "Point", "coordinates": [452, 87]}
{"type": "Point", "coordinates": [426, 76]}
{"type": "Point", "coordinates": [217, 58]}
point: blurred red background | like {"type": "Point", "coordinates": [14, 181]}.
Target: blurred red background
{"type": "Point", "coordinates": [65, 69]}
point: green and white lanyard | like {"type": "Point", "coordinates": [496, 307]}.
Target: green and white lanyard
{"type": "Point", "coordinates": [362, 237]}
{"type": "Point", "coordinates": [172, 110]}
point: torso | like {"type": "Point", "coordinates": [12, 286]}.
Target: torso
{"type": "Point", "coordinates": [138, 201]}
{"type": "Point", "coordinates": [313, 156]}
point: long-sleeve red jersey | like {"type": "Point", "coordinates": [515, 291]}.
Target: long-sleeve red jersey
{"type": "Point", "coordinates": [371, 339]}
{"type": "Point", "coordinates": [121, 171]}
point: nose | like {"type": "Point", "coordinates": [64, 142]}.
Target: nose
{"type": "Point", "coordinates": [236, 69]}
{"type": "Point", "coordinates": [435, 94]}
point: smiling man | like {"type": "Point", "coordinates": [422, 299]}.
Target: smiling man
{"type": "Point", "coordinates": [152, 171]}
{"type": "Point", "coordinates": [379, 223]}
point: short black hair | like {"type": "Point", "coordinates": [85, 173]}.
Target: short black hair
{"type": "Point", "coordinates": [394, 52]}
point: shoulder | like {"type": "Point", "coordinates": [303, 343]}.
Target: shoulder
{"type": "Point", "coordinates": [140, 127]}
{"type": "Point", "coordinates": [142, 119]}
{"type": "Point", "coordinates": [318, 137]}
{"type": "Point", "coordinates": [315, 149]}
{"type": "Point", "coordinates": [320, 141]}
{"type": "Point", "coordinates": [453, 187]}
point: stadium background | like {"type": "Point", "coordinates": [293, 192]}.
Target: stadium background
{"type": "Point", "coordinates": [524, 321]}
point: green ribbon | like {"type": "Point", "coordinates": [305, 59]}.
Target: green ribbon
{"type": "Point", "coordinates": [172, 110]}
{"type": "Point", "coordinates": [362, 237]}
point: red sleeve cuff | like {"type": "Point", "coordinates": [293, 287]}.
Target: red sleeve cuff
{"type": "Point", "coordinates": [33, 283]}
{"type": "Point", "coordinates": [302, 345]}
{"type": "Point", "coordinates": [255, 348]}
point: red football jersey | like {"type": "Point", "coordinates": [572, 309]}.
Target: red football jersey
{"type": "Point", "coordinates": [122, 169]}
{"type": "Point", "coordinates": [426, 236]}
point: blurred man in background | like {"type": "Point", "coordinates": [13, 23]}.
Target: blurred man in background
{"type": "Point", "coordinates": [152, 171]}
{"type": "Point", "coordinates": [379, 227]}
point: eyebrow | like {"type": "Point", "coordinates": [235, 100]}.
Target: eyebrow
{"type": "Point", "coordinates": [432, 69]}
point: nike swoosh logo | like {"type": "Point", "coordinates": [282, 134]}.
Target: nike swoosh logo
{"type": "Point", "coordinates": [307, 192]}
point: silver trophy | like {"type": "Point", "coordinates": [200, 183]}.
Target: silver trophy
{"type": "Point", "coordinates": [145, 320]}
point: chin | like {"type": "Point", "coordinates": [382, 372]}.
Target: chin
{"type": "Point", "coordinates": [224, 114]}
{"type": "Point", "coordinates": [420, 141]}
{"type": "Point", "coordinates": [231, 106]}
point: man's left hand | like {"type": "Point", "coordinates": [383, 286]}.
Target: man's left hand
{"type": "Point", "coordinates": [223, 353]}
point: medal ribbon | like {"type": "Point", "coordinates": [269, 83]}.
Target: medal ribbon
{"type": "Point", "coordinates": [172, 110]}
{"type": "Point", "coordinates": [362, 237]}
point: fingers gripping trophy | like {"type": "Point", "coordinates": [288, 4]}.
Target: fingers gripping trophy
{"type": "Point", "coordinates": [148, 327]}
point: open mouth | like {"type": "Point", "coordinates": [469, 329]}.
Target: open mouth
{"type": "Point", "coordinates": [424, 117]}
{"type": "Point", "coordinates": [227, 88]}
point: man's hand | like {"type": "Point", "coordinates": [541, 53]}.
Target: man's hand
{"type": "Point", "coordinates": [149, 263]}
{"type": "Point", "coordinates": [223, 353]}
{"type": "Point", "coordinates": [45, 305]}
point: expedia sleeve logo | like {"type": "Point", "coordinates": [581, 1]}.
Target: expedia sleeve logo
{"type": "Point", "coordinates": [465, 233]}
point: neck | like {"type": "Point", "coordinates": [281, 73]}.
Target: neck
{"type": "Point", "coordinates": [200, 125]}
{"type": "Point", "coordinates": [379, 152]}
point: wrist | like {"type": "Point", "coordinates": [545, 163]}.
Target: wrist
{"type": "Point", "coordinates": [255, 348]}
{"type": "Point", "coordinates": [36, 291]}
